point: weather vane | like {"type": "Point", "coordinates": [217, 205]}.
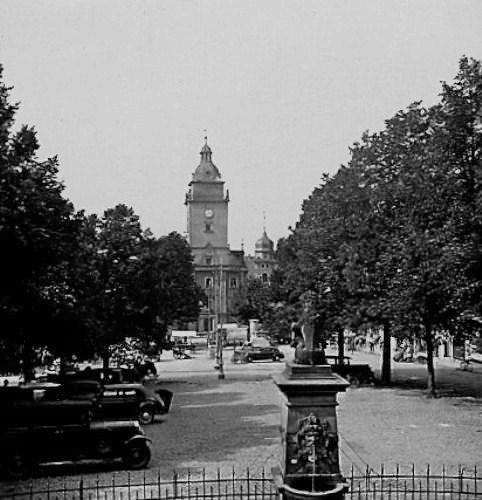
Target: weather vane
{"type": "Point", "coordinates": [205, 135]}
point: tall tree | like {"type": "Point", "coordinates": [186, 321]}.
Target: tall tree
{"type": "Point", "coordinates": [37, 232]}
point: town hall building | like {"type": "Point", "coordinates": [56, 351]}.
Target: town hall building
{"type": "Point", "coordinates": [220, 271]}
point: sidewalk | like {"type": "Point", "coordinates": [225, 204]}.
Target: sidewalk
{"type": "Point", "coordinates": [451, 380]}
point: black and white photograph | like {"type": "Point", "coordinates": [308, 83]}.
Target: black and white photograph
{"type": "Point", "coordinates": [240, 249]}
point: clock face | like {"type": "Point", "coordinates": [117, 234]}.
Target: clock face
{"type": "Point", "coordinates": [208, 213]}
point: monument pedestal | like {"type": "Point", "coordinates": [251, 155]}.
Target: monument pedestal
{"type": "Point", "coordinates": [309, 465]}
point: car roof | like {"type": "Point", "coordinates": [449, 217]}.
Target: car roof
{"type": "Point", "coordinates": [125, 386]}
{"type": "Point", "coordinates": [39, 385]}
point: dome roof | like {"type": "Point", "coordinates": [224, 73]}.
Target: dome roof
{"type": "Point", "coordinates": [206, 171]}
{"type": "Point", "coordinates": [264, 244]}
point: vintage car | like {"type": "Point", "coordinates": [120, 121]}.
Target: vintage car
{"type": "Point", "coordinates": [133, 400]}
{"type": "Point", "coordinates": [356, 374]}
{"type": "Point", "coordinates": [25, 447]}
{"type": "Point", "coordinates": [135, 373]}
{"type": "Point", "coordinates": [108, 402]}
{"type": "Point", "coordinates": [28, 406]}
{"type": "Point", "coordinates": [250, 352]}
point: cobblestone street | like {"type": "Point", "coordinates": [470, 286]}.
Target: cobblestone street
{"type": "Point", "coordinates": [235, 421]}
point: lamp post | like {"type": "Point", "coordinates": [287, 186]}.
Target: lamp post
{"type": "Point", "coordinates": [219, 316]}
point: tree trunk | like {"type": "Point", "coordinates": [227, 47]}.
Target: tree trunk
{"type": "Point", "coordinates": [27, 362]}
{"type": "Point", "coordinates": [341, 346]}
{"type": "Point", "coordinates": [63, 365]}
{"type": "Point", "coordinates": [387, 355]}
{"type": "Point", "coordinates": [105, 359]}
{"type": "Point", "coordinates": [431, 386]}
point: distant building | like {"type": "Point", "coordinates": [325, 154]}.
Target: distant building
{"type": "Point", "coordinates": [220, 271]}
{"type": "Point", "coordinates": [261, 265]}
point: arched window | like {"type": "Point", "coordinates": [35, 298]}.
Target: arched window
{"type": "Point", "coordinates": [208, 282]}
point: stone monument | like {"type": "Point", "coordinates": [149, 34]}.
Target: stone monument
{"type": "Point", "coordinates": [309, 464]}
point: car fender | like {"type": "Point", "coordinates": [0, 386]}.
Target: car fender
{"type": "Point", "coordinates": [138, 437]}
{"type": "Point", "coordinates": [152, 403]}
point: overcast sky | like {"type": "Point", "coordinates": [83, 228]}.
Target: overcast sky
{"type": "Point", "coordinates": [122, 91]}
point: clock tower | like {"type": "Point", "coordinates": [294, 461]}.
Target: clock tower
{"type": "Point", "coordinates": [220, 271]}
{"type": "Point", "coordinates": [207, 206]}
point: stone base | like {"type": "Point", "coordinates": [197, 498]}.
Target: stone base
{"type": "Point", "coordinates": [332, 487]}
{"type": "Point", "coordinates": [309, 432]}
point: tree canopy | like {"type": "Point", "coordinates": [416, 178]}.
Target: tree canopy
{"type": "Point", "coordinates": [72, 282]}
{"type": "Point", "coordinates": [394, 237]}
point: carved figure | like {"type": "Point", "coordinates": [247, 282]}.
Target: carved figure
{"type": "Point", "coordinates": [316, 446]}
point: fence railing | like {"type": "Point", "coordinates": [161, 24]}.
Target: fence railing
{"type": "Point", "coordinates": [408, 483]}
{"type": "Point", "coordinates": [400, 483]}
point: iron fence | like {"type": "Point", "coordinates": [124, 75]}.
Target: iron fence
{"type": "Point", "coordinates": [411, 484]}
{"type": "Point", "coordinates": [396, 484]}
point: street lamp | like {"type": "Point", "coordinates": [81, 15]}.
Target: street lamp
{"type": "Point", "coordinates": [219, 341]}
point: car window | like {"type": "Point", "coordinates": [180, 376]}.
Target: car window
{"type": "Point", "coordinates": [110, 393]}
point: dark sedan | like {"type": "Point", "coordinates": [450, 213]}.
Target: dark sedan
{"type": "Point", "coordinates": [251, 353]}
{"type": "Point", "coordinates": [131, 400]}
{"type": "Point", "coordinates": [26, 447]}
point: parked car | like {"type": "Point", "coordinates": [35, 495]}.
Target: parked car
{"type": "Point", "coordinates": [110, 375]}
{"type": "Point", "coordinates": [133, 400]}
{"type": "Point", "coordinates": [30, 406]}
{"type": "Point", "coordinates": [108, 402]}
{"type": "Point", "coordinates": [249, 353]}
{"type": "Point", "coordinates": [24, 448]}
{"type": "Point", "coordinates": [356, 374]}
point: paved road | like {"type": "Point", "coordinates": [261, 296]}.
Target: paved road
{"type": "Point", "coordinates": [220, 423]}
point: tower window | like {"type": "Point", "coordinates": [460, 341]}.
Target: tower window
{"type": "Point", "coordinates": [264, 277]}
{"type": "Point", "coordinates": [208, 282]}
{"type": "Point", "coordinates": [233, 283]}
{"type": "Point", "coordinates": [208, 227]}
{"type": "Point", "coordinates": [209, 260]}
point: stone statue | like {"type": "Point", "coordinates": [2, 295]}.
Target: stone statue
{"type": "Point", "coordinates": [306, 352]}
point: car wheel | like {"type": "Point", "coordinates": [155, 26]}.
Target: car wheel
{"type": "Point", "coordinates": [18, 463]}
{"type": "Point", "coordinates": [146, 414]}
{"type": "Point", "coordinates": [276, 357]}
{"type": "Point", "coordinates": [104, 444]}
{"type": "Point", "coordinates": [137, 455]}
{"type": "Point", "coordinates": [249, 359]}
{"type": "Point", "coordinates": [354, 381]}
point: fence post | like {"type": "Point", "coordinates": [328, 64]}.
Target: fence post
{"type": "Point", "coordinates": [461, 480]}
{"type": "Point", "coordinates": [174, 484]}
{"type": "Point", "coordinates": [189, 483]}
{"type": "Point", "coordinates": [428, 481]}
{"type": "Point", "coordinates": [143, 484]}
{"type": "Point", "coordinates": [204, 482]}
{"type": "Point", "coordinates": [475, 480]}
{"type": "Point", "coordinates": [81, 489]}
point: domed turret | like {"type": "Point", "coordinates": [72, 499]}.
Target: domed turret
{"type": "Point", "coordinates": [263, 246]}
{"type": "Point", "coordinates": [206, 170]}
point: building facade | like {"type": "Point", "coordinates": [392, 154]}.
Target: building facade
{"type": "Point", "coordinates": [262, 263]}
{"type": "Point", "coordinates": [220, 271]}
